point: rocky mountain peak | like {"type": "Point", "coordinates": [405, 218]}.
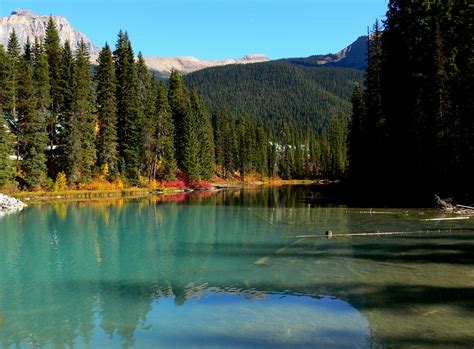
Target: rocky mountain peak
{"type": "Point", "coordinates": [27, 24]}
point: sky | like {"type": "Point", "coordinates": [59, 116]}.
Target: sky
{"type": "Point", "coordinates": [217, 29]}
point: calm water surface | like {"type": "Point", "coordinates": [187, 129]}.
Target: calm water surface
{"type": "Point", "coordinates": [230, 269]}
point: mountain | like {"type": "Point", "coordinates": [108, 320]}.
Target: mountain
{"type": "Point", "coordinates": [278, 91]}
{"type": "Point", "coordinates": [189, 64]}
{"type": "Point", "coordinates": [294, 89]}
{"type": "Point", "coordinates": [352, 56]}
{"type": "Point", "coordinates": [30, 25]}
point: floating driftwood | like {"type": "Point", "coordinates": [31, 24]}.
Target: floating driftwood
{"type": "Point", "coordinates": [466, 207]}
{"type": "Point", "coordinates": [377, 233]}
{"type": "Point", "coordinates": [382, 233]}
{"type": "Point", "coordinates": [445, 218]}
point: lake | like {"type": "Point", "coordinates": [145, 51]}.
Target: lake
{"type": "Point", "coordinates": [235, 269]}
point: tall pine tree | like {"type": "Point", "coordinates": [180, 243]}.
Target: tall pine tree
{"type": "Point", "coordinates": [205, 136]}
{"type": "Point", "coordinates": [52, 48]}
{"type": "Point", "coordinates": [33, 139]}
{"type": "Point", "coordinates": [107, 152]}
{"type": "Point", "coordinates": [130, 114]}
{"type": "Point", "coordinates": [81, 153]}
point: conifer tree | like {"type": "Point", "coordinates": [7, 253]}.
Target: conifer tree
{"type": "Point", "coordinates": [13, 50]}
{"type": "Point", "coordinates": [33, 139]}
{"type": "Point", "coordinates": [338, 142]}
{"type": "Point", "coordinates": [130, 115]}
{"type": "Point", "coordinates": [6, 95]}
{"type": "Point", "coordinates": [191, 146]}
{"type": "Point", "coordinates": [7, 171]}
{"type": "Point", "coordinates": [164, 136]}
{"type": "Point", "coordinates": [178, 99]}
{"type": "Point", "coordinates": [205, 136]}
{"type": "Point", "coordinates": [81, 154]}
{"type": "Point", "coordinates": [41, 81]}
{"type": "Point", "coordinates": [59, 162]}
{"type": "Point", "coordinates": [147, 105]}
{"type": "Point", "coordinates": [262, 151]}
{"type": "Point", "coordinates": [52, 49]}
{"type": "Point", "coordinates": [357, 151]}
{"type": "Point", "coordinates": [107, 153]}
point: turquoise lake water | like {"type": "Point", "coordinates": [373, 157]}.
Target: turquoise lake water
{"type": "Point", "coordinates": [233, 269]}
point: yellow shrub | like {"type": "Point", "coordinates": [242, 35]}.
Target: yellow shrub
{"type": "Point", "coordinates": [104, 171]}
{"type": "Point", "coordinates": [61, 182]}
{"type": "Point", "coordinates": [118, 184]}
{"type": "Point", "coordinates": [102, 184]}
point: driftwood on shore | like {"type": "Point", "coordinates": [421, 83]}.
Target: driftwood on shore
{"type": "Point", "coordinates": [448, 206]}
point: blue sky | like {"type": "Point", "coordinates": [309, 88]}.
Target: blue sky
{"type": "Point", "coordinates": [216, 29]}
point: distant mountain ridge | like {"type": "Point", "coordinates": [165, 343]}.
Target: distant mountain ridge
{"type": "Point", "coordinates": [352, 56]}
{"type": "Point", "coordinates": [27, 24]}
{"type": "Point", "coordinates": [30, 25]}
{"type": "Point", "coordinates": [189, 64]}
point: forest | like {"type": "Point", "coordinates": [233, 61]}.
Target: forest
{"type": "Point", "coordinates": [412, 133]}
{"type": "Point", "coordinates": [67, 123]}
{"type": "Point", "coordinates": [279, 91]}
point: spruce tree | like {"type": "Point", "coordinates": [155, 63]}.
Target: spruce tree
{"type": "Point", "coordinates": [178, 99]}
{"type": "Point", "coordinates": [190, 146]}
{"type": "Point", "coordinates": [338, 142]}
{"type": "Point", "coordinates": [81, 154]}
{"type": "Point", "coordinates": [13, 50]}
{"type": "Point", "coordinates": [52, 48]}
{"type": "Point", "coordinates": [357, 151]}
{"type": "Point", "coordinates": [262, 146]}
{"type": "Point", "coordinates": [164, 136]}
{"type": "Point", "coordinates": [7, 170]}
{"type": "Point", "coordinates": [33, 139]}
{"type": "Point", "coordinates": [41, 82]}
{"type": "Point", "coordinates": [66, 83]}
{"type": "Point", "coordinates": [107, 153]}
{"type": "Point", "coordinates": [205, 136]}
{"type": "Point", "coordinates": [147, 106]}
{"type": "Point", "coordinates": [130, 114]}
{"type": "Point", "coordinates": [6, 95]}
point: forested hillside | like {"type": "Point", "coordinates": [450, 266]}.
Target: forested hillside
{"type": "Point", "coordinates": [278, 91]}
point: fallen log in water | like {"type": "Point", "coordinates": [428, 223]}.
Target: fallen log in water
{"type": "Point", "coordinates": [466, 207]}
{"type": "Point", "coordinates": [378, 233]}
{"type": "Point", "coordinates": [353, 234]}
{"type": "Point", "coordinates": [445, 218]}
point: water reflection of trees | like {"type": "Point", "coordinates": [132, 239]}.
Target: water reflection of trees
{"type": "Point", "coordinates": [64, 265]}
{"type": "Point", "coordinates": [64, 268]}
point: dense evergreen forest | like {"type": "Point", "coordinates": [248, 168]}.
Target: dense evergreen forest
{"type": "Point", "coordinates": [278, 91]}
{"type": "Point", "coordinates": [66, 124]}
{"type": "Point", "coordinates": [412, 131]}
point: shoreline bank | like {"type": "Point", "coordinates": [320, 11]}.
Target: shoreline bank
{"type": "Point", "coordinates": [45, 196]}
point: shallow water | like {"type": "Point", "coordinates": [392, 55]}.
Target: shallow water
{"type": "Point", "coordinates": [231, 269]}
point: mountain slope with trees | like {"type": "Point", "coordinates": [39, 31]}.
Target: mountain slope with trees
{"type": "Point", "coordinates": [278, 91]}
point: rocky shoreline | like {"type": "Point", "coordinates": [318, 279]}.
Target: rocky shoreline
{"type": "Point", "coordinates": [10, 205]}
